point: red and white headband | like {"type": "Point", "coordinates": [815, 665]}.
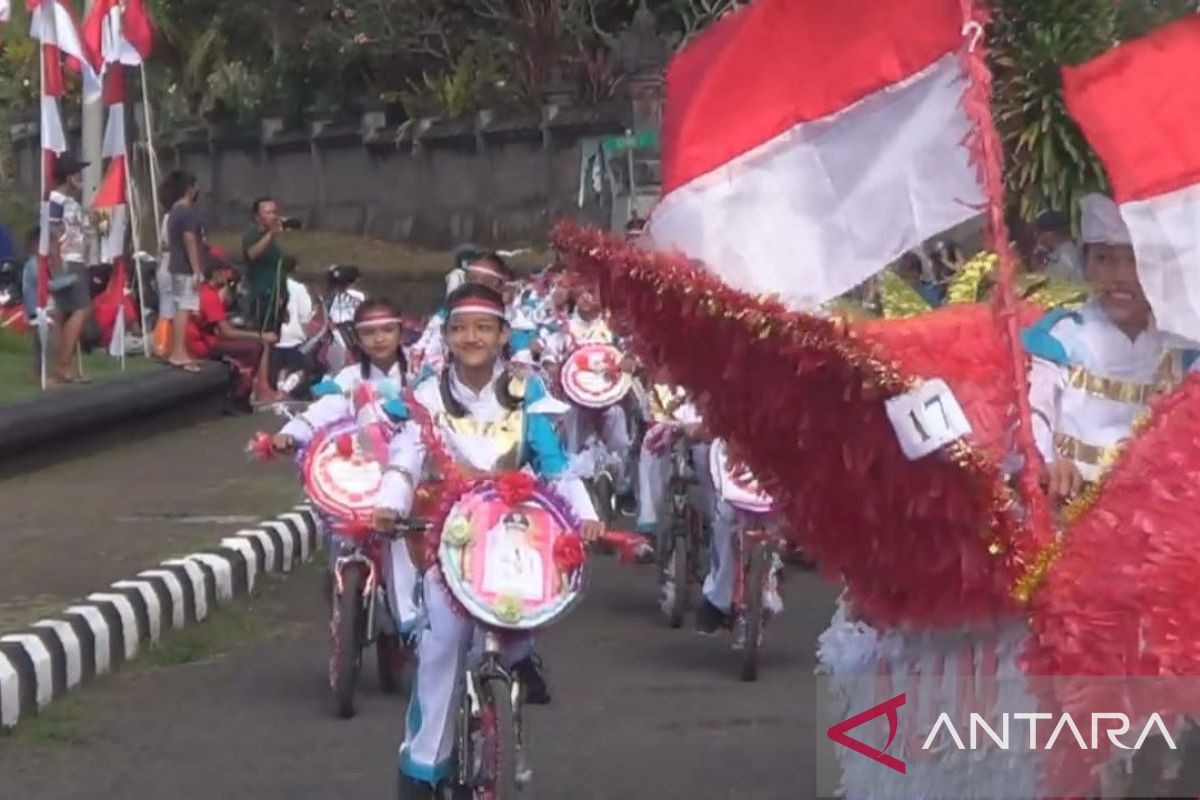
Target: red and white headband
{"type": "Point", "coordinates": [374, 319]}
{"type": "Point", "coordinates": [478, 306]}
{"type": "Point", "coordinates": [486, 268]}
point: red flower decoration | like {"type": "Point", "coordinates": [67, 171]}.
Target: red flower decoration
{"type": "Point", "coordinates": [364, 394]}
{"type": "Point", "coordinates": [345, 445]}
{"type": "Point", "coordinates": [516, 487]}
{"type": "Point", "coordinates": [568, 552]}
{"type": "Point", "coordinates": [260, 447]}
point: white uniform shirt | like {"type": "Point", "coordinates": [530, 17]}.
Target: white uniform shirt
{"type": "Point", "coordinates": [1092, 343]}
{"type": "Point", "coordinates": [300, 313]}
{"type": "Point", "coordinates": [480, 452]}
{"type": "Point", "coordinates": [332, 407]}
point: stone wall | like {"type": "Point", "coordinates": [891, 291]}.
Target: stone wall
{"type": "Point", "coordinates": [489, 179]}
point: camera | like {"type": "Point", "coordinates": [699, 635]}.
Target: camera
{"type": "Point", "coordinates": [292, 223]}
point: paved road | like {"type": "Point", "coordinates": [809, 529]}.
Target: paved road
{"type": "Point", "coordinates": [74, 527]}
{"type": "Point", "coordinates": [639, 712]}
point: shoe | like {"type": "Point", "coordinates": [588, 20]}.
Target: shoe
{"type": "Point", "coordinates": [533, 679]}
{"type": "Point", "coordinates": [710, 619]}
{"type": "Point", "coordinates": [643, 553]}
{"type": "Point", "coordinates": [413, 789]}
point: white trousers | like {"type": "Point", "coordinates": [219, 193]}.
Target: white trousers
{"type": "Point", "coordinates": [723, 562]}
{"type": "Point", "coordinates": [654, 478]}
{"type": "Point", "coordinates": [442, 658]}
{"type": "Point", "coordinates": [404, 585]}
{"type": "Point", "coordinates": [609, 425]}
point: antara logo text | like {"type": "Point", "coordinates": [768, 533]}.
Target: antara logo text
{"type": "Point", "coordinates": [1022, 730]}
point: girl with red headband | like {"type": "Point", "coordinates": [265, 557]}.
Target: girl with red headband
{"type": "Point", "coordinates": [369, 391]}
{"type": "Point", "coordinates": [489, 421]}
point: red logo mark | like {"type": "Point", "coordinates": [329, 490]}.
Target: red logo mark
{"type": "Point", "coordinates": [837, 733]}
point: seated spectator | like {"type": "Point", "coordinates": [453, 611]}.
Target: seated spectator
{"type": "Point", "coordinates": [303, 322]}
{"type": "Point", "coordinates": [211, 335]}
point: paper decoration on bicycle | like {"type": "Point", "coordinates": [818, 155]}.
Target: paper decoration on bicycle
{"type": "Point", "coordinates": [592, 376]}
{"type": "Point", "coordinates": [735, 483]}
{"type": "Point", "coordinates": [926, 419]}
{"type": "Point", "coordinates": [340, 477]}
{"type": "Point", "coordinates": [512, 566]}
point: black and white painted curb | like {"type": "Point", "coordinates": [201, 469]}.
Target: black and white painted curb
{"type": "Point", "coordinates": [56, 656]}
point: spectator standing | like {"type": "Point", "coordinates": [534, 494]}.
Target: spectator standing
{"type": "Point", "coordinates": [188, 248]}
{"type": "Point", "coordinates": [29, 298]}
{"type": "Point", "coordinates": [1055, 251]}
{"type": "Point", "coordinates": [264, 266]}
{"type": "Point", "coordinates": [68, 266]}
{"type": "Point", "coordinates": [211, 335]}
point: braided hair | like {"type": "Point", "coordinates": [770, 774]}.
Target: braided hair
{"type": "Point", "coordinates": [374, 307]}
{"type": "Point", "coordinates": [463, 294]}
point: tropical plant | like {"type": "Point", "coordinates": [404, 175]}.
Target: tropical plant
{"type": "Point", "coordinates": [1049, 164]}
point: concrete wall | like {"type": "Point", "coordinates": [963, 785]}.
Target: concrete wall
{"type": "Point", "coordinates": [485, 179]}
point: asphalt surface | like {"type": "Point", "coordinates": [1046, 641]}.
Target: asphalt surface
{"type": "Point", "coordinates": [75, 526]}
{"type": "Point", "coordinates": [639, 711]}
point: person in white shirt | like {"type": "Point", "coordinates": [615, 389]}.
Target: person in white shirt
{"type": "Point", "coordinates": [1094, 371]}
{"type": "Point", "coordinates": [296, 331]}
{"type": "Point", "coordinates": [488, 423]}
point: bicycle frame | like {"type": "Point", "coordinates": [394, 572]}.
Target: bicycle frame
{"type": "Point", "coordinates": [487, 668]}
{"type": "Point", "coordinates": [755, 532]}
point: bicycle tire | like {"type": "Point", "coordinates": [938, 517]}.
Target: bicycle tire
{"type": "Point", "coordinates": [752, 614]}
{"type": "Point", "coordinates": [346, 629]}
{"type": "Point", "coordinates": [387, 651]}
{"type": "Point", "coordinates": [681, 568]}
{"type": "Point", "coordinates": [500, 742]}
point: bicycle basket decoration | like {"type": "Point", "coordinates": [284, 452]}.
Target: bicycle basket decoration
{"type": "Point", "coordinates": [735, 483]}
{"type": "Point", "coordinates": [340, 477]}
{"type": "Point", "coordinates": [592, 376]}
{"type": "Point", "coordinates": [510, 555]}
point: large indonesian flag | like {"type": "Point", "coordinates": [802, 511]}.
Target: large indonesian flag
{"type": "Point", "coordinates": [807, 143]}
{"type": "Point", "coordinates": [1139, 108]}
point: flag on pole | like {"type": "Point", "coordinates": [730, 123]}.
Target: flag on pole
{"type": "Point", "coordinates": [116, 33]}
{"type": "Point", "coordinates": [110, 201]}
{"type": "Point", "coordinates": [1138, 107]}
{"type": "Point", "coordinates": [53, 23]}
{"type": "Point", "coordinates": [114, 297]}
{"type": "Point", "coordinates": [807, 143]}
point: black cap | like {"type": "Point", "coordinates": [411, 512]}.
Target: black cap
{"type": "Point", "coordinates": [67, 164]}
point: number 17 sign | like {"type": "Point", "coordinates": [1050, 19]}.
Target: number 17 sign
{"type": "Point", "coordinates": [927, 418]}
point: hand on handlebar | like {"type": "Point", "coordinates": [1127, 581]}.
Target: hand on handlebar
{"type": "Point", "coordinates": [282, 443]}
{"type": "Point", "coordinates": [591, 531]}
{"type": "Point", "coordinates": [384, 519]}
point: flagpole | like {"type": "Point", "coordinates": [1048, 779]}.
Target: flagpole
{"type": "Point", "coordinates": [131, 204]}
{"type": "Point", "coordinates": [43, 328]}
{"type": "Point", "coordinates": [151, 153]}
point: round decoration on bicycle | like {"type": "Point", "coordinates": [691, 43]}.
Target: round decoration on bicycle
{"type": "Point", "coordinates": [735, 483]}
{"type": "Point", "coordinates": [340, 477]}
{"type": "Point", "coordinates": [511, 565]}
{"type": "Point", "coordinates": [592, 376]}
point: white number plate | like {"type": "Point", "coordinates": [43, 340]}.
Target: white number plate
{"type": "Point", "coordinates": [927, 419]}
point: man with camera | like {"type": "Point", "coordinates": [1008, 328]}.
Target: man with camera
{"type": "Point", "coordinates": [265, 285]}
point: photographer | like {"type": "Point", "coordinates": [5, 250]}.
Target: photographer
{"type": "Point", "coordinates": [266, 290]}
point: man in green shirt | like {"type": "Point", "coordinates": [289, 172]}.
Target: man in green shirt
{"type": "Point", "coordinates": [264, 274]}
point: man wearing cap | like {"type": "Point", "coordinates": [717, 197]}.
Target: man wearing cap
{"type": "Point", "coordinates": [211, 335]}
{"type": "Point", "coordinates": [1095, 370]}
{"type": "Point", "coordinates": [68, 264]}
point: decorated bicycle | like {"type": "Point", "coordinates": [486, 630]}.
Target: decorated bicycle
{"type": "Point", "coordinates": [341, 444]}
{"type": "Point", "coordinates": [507, 555]}
{"type": "Point", "coordinates": [746, 542]}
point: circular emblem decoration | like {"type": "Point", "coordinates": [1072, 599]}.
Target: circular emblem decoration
{"type": "Point", "coordinates": [592, 376]}
{"type": "Point", "coordinates": [341, 478]}
{"type": "Point", "coordinates": [516, 566]}
{"type": "Point", "coordinates": [735, 483]}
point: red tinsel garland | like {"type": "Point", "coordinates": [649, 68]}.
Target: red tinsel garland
{"type": "Point", "coordinates": [928, 542]}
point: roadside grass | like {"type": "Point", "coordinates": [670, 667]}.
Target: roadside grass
{"type": "Point", "coordinates": [19, 379]}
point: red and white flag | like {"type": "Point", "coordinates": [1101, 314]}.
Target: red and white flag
{"type": "Point", "coordinates": [1139, 109]}
{"type": "Point", "coordinates": [808, 143]}
{"type": "Point", "coordinates": [118, 33]}
{"type": "Point", "coordinates": [53, 23]}
{"type": "Point", "coordinates": [111, 199]}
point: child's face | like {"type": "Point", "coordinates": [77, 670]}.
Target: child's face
{"type": "Point", "coordinates": [380, 341]}
{"type": "Point", "coordinates": [1111, 271]}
